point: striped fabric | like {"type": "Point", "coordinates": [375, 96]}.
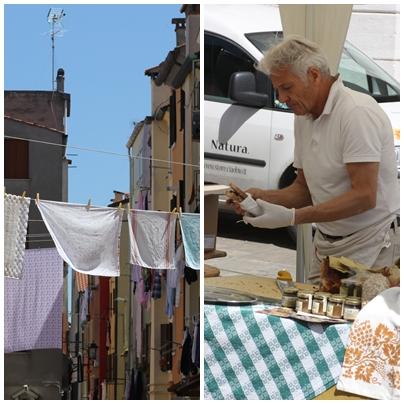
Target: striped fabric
{"type": "Point", "coordinates": [81, 281]}
{"type": "Point", "coordinates": [254, 356]}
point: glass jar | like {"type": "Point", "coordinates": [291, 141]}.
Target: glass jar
{"type": "Point", "coordinates": [289, 297]}
{"type": "Point", "coordinates": [335, 306]}
{"type": "Point", "coordinates": [352, 307]}
{"type": "Point", "coordinates": [350, 287]}
{"type": "Point", "coordinates": [304, 302]}
{"type": "Point", "coordinates": [319, 305]}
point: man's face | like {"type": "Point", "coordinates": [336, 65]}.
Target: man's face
{"type": "Point", "coordinates": [299, 95]}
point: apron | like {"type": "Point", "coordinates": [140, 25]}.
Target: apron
{"type": "Point", "coordinates": [364, 246]}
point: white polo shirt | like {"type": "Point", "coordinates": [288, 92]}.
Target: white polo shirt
{"type": "Point", "coordinates": [352, 129]}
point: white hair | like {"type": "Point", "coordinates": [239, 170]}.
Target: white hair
{"type": "Point", "coordinates": [295, 52]}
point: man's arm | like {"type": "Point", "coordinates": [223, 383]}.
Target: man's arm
{"type": "Point", "coordinates": [296, 195]}
{"type": "Point", "coordinates": [360, 198]}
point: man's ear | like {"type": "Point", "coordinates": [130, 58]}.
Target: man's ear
{"type": "Point", "coordinates": [313, 73]}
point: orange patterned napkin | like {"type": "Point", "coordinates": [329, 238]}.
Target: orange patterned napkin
{"type": "Point", "coordinates": [371, 365]}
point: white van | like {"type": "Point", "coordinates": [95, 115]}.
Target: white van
{"type": "Point", "coordinates": [249, 133]}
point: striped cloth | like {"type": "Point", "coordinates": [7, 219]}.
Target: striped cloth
{"type": "Point", "coordinates": [81, 281]}
{"type": "Point", "coordinates": [253, 356]}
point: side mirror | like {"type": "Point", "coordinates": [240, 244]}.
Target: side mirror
{"type": "Point", "coordinates": [242, 89]}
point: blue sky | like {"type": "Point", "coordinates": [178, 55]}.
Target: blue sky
{"type": "Point", "coordinates": [104, 51]}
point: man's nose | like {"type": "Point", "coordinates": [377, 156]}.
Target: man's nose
{"type": "Point", "coordinates": [282, 97]}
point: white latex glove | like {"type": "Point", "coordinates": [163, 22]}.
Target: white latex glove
{"type": "Point", "coordinates": [273, 216]}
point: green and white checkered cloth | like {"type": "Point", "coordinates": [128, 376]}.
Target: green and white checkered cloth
{"type": "Point", "coordinates": [254, 356]}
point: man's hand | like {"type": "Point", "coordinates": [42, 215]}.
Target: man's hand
{"type": "Point", "coordinates": [236, 206]}
{"type": "Point", "coordinates": [274, 216]}
{"type": "Point", "coordinates": [256, 193]}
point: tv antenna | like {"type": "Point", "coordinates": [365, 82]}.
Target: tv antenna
{"type": "Point", "coordinates": [55, 16]}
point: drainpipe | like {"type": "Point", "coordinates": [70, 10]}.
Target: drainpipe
{"type": "Point", "coordinates": [116, 343]}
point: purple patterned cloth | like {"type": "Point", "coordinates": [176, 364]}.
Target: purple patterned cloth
{"type": "Point", "coordinates": [33, 304]}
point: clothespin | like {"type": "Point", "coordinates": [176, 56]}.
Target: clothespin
{"type": "Point", "coordinates": [23, 194]}
{"type": "Point", "coordinates": [37, 198]}
{"type": "Point", "coordinates": [88, 205]}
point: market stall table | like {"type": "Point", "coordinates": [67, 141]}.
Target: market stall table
{"type": "Point", "coordinates": [253, 355]}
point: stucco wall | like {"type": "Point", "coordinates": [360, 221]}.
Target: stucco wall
{"type": "Point", "coordinates": [375, 30]}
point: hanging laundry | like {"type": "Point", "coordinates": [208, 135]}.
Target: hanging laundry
{"type": "Point", "coordinates": [85, 297]}
{"type": "Point", "coordinates": [196, 345]}
{"type": "Point", "coordinates": [190, 275]}
{"type": "Point", "coordinates": [152, 239]}
{"type": "Point", "coordinates": [190, 225]}
{"type": "Point", "coordinates": [173, 284]}
{"type": "Point", "coordinates": [87, 239]}
{"type": "Point", "coordinates": [15, 231]}
{"type": "Point", "coordinates": [33, 305]}
{"type": "Point", "coordinates": [81, 281]}
{"type": "Point", "coordinates": [186, 355]}
{"type": "Point", "coordinates": [156, 290]}
{"type": "Point", "coordinates": [170, 302]}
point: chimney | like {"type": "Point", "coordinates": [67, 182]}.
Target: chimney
{"type": "Point", "coordinates": [179, 30]}
{"type": "Point", "coordinates": [60, 81]}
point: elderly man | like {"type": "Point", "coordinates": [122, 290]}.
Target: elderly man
{"type": "Point", "coordinates": [344, 155]}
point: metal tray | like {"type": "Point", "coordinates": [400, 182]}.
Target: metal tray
{"type": "Point", "coordinates": [216, 295]}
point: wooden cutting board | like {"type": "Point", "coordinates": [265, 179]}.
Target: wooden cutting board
{"type": "Point", "coordinates": [257, 285]}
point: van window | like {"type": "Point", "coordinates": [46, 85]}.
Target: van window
{"type": "Point", "coordinates": [222, 59]}
{"type": "Point", "coordinates": [357, 70]}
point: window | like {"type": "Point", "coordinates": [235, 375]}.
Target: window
{"type": "Point", "coordinates": [16, 159]}
{"type": "Point", "coordinates": [222, 59]}
{"type": "Point", "coordinates": [358, 71]}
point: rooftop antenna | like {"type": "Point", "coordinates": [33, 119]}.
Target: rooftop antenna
{"type": "Point", "coordinates": [55, 16]}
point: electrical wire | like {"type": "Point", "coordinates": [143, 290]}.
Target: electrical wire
{"type": "Point", "coordinates": [101, 151]}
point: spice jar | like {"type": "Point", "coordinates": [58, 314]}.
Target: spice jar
{"type": "Point", "coordinates": [320, 300]}
{"type": "Point", "coordinates": [335, 306]}
{"type": "Point", "coordinates": [352, 307]}
{"type": "Point", "coordinates": [304, 302]}
{"type": "Point", "coordinates": [350, 287]}
{"type": "Point", "coordinates": [289, 297]}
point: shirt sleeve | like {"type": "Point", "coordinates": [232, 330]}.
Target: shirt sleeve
{"type": "Point", "coordinates": [362, 137]}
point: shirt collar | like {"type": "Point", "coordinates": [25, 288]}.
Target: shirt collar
{"type": "Point", "coordinates": [332, 95]}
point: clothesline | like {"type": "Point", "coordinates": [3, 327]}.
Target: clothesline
{"type": "Point", "coordinates": [102, 151]}
{"type": "Point", "coordinates": [88, 238]}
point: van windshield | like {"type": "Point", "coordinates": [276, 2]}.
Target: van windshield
{"type": "Point", "coordinates": [358, 71]}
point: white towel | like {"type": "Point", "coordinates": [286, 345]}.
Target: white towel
{"type": "Point", "coordinates": [88, 240]}
{"type": "Point", "coordinates": [16, 210]}
{"type": "Point", "coordinates": [152, 239]}
{"type": "Point", "coordinates": [371, 365]}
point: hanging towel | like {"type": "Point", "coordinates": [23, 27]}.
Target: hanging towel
{"type": "Point", "coordinates": [152, 239]}
{"type": "Point", "coordinates": [371, 365]}
{"type": "Point", "coordinates": [87, 239]}
{"type": "Point", "coordinates": [15, 231]}
{"type": "Point", "coordinates": [190, 224]}
{"type": "Point", "coordinates": [33, 305]}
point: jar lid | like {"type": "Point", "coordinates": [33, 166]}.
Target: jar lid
{"type": "Point", "coordinates": [353, 300]}
{"type": "Point", "coordinates": [337, 298]}
{"type": "Point", "coordinates": [348, 281]}
{"type": "Point", "coordinates": [304, 294]}
{"type": "Point", "coordinates": [290, 291]}
{"type": "Point", "coordinates": [322, 294]}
